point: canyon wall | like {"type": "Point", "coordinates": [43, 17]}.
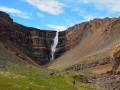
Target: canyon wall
{"type": "Point", "coordinates": [36, 43]}
{"type": "Point", "coordinates": [33, 42]}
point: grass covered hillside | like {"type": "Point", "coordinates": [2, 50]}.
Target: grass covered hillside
{"type": "Point", "coordinates": [18, 74]}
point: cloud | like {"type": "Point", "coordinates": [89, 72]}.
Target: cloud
{"type": "Point", "coordinates": [51, 6]}
{"type": "Point", "coordinates": [112, 6]}
{"type": "Point", "coordinates": [86, 1]}
{"type": "Point", "coordinates": [84, 14]}
{"type": "Point", "coordinates": [88, 17]}
{"type": "Point", "coordinates": [79, 10]}
{"type": "Point", "coordinates": [38, 27]}
{"type": "Point", "coordinates": [76, 9]}
{"type": "Point", "coordinates": [16, 12]}
{"type": "Point", "coordinates": [40, 15]}
{"type": "Point", "coordinates": [57, 28]}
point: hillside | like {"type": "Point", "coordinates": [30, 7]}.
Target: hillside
{"type": "Point", "coordinates": [101, 36]}
{"type": "Point", "coordinates": [96, 58]}
{"type": "Point", "coordinates": [18, 74]}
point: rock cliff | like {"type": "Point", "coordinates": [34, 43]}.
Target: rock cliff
{"type": "Point", "coordinates": [36, 43]}
{"type": "Point", "coordinates": [33, 42]}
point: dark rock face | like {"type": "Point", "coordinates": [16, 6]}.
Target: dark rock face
{"type": "Point", "coordinates": [6, 27]}
{"type": "Point", "coordinates": [32, 42]}
{"type": "Point", "coordinates": [36, 43]}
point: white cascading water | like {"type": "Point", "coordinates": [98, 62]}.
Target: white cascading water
{"type": "Point", "coordinates": [53, 48]}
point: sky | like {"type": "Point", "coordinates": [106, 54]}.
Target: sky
{"type": "Point", "coordinates": [58, 14]}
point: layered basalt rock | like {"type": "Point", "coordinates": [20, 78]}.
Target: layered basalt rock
{"type": "Point", "coordinates": [36, 43]}
{"type": "Point", "coordinates": [33, 42]}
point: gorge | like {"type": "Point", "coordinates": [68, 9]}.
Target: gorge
{"type": "Point", "coordinates": [90, 37]}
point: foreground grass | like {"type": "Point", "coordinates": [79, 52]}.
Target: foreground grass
{"type": "Point", "coordinates": [27, 77]}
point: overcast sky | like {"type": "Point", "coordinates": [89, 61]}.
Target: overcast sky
{"type": "Point", "coordinates": [58, 14]}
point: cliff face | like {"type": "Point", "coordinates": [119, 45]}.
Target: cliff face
{"type": "Point", "coordinates": [36, 43]}
{"type": "Point", "coordinates": [33, 42]}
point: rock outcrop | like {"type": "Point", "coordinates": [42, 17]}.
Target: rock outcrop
{"type": "Point", "coordinates": [105, 81]}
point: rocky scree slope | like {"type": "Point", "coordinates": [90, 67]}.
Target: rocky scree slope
{"type": "Point", "coordinates": [89, 41]}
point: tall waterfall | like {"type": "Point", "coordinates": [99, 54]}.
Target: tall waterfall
{"type": "Point", "coordinates": [53, 48]}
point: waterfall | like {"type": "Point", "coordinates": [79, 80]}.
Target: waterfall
{"type": "Point", "coordinates": [53, 48]}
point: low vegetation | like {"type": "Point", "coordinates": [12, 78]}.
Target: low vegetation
{"type": "Point", "coordinates": [18, 74]}
{"type": "Point", "coordinates": [28, 77]}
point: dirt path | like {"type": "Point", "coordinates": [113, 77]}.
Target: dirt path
{"type": "Point", "coordinates": [101, 69]}
{"type": "Point", "coordinates": [70, 82]}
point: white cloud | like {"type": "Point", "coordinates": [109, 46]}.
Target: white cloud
{"type": "Point", "coordinates": [16, 12]}
{"type": "Point", "coordinates": [112, 6]}
{"type": "Point", "coordinates": [70, 23]}
{"type": "Point", "coordinates": [88, 17]}
{"type": "Point", "coordinates": [76, 9]}
{"type": "Point", "coordinates": [79, 10]}
{"type": "Point", "coordinates": [96, 1]}
{"type": "Point", "coordinates": [40, 15]}
{"type": "Point", "coordinates": [51, 6]}
{"type": "Point", "coordinates": [57, 28]}
{"type": "Point", "coordinates": [86, 1]}
{"type": "Point", "coordinates": [84, 14]}
{"type": "Point", "coordinates": [38, 27]}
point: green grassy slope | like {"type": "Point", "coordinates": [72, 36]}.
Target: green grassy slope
{"type": "Point", "coordinates": [16, 77]}
{"type": "Point", "coordinates": [17, 74]}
